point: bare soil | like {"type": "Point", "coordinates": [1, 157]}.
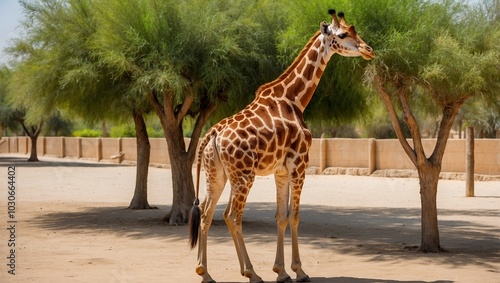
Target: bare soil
{"type": "Point", "coordinates": [72, 226]}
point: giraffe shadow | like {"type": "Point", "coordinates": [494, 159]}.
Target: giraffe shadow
{"type": "Point", "coordinates": [356, 280]}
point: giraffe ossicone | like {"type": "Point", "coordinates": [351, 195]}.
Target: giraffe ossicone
{"type": "Point", "coordinates": [268, 136]}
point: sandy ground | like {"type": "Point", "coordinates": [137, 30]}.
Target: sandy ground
{"type": "Point", "coordinates": [72, 227]}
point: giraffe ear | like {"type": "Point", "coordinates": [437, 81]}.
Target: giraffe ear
{"type": "Point", "coordinates": [324, 28]}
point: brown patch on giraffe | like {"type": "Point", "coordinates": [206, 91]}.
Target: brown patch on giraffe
{"type": "Point", "coordinates": [239, 117]}
{"type": "Point", "coordinates": [244, 190]}
{"type": "Point", "coordinates": [268, 159]}
{"type": "Point", "coordinates": [301, 66]}
{"type": "Point", "coordinates": [279, 154]}
{"type": "Point", "coordinates": [297, 87]}
{"type": "Point", "coordinates": [244, 146]}
{"type": "Point", "coordinates": [244, 124]}
{"type": "Point", "coordinates": [224, 143]}
{"type": "Point", "coordinates": [312, 55]}
{"type": "Point", "coordinates": [278, 90]}
{"type": "Point", "coordinates": [263, 114]}
{"type": "Point", "coordinates": [272, 146]}
{"type": "Point", "coordinates": [242, 133]}
{"type": "Point", "coordinates": [289, 79]}
{"type": "Point", "coordinates": [272, 107]}
{"type": "Point", "coordinates": [252, 142]}
{"type": "Point", "coordinates": [247, 161]}
{"type": "Point", "coordinates": [257, 122]}
{"type": "Point", "coordinates": [301, 167]}
{"type": "Point", "coordinates": [230, 149]}
{"type": "Point", "coordinates": [287, 111]}
{"type": "Point", "coordinates": [241, 198]}
{"type": "Point", "coordinates": [317, 43]}
{"type": "Point", "coordinates": [232, 136]}
{"type": "Point", "coordinates": [308, 72]}
{"type": "Point", "coordinates": [238, 154]}
{"type": "Point", "coordinates": [319, 73]}
{"type": "Point", "coordinates": [266, 92]}
{"type": "Point", "coordinates": [239, 164]}
{"type": "Point", "coordinates": [304, 100]}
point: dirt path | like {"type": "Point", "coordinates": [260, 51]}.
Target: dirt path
{"type": "Point", "coordinates": [72, 227]}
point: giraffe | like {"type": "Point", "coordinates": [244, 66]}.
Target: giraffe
{"type": "Point", "coordinates": [268, 136]}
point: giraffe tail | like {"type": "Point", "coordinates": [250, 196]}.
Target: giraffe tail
{"type": "Point", "coordinates": [195, 213]}
{"type": "Point", "coordinates": [194, 223]}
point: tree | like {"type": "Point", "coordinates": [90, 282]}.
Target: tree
{"type": "Point", "coordinates": [15, 111]}
{"type": "Point", "coordinates": [57, 68]}
{"type": "Point", "coordinates": [185, 56]}
{"type": "Point", "coordinates": [429, 58]}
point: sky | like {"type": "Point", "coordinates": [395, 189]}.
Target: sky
{"type": "Point", "coordinates": [10, 15]}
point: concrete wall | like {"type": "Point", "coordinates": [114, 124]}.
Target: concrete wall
{"type": "Point", "coordinates": [366, 154]}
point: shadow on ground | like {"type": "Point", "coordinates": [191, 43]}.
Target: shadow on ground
{"type": "Point", "coordinates": [380, 234]}
{"type": "Point", "coordinates": [23, 162]}
{"type": "Point", "coordinates": [361, 280]}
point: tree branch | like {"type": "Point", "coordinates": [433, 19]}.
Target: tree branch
{"type": "Point", "coordinates": [40, 125]}
{"type": "Point", "coordinates": [200, 122]}
{"type": "Point", "coordinates": [450, 111]}
{"type": "Point", "coordinates": [412, 124]}
{"type": "Point", "coordinates": [168, 107]}
{"type": "Point", "coordinates": [26, 130]}
{"type": "Point", "coordinates": [394, 120]}
{"type": "Point", "coordinates": [188, 100]}
{"type": "Point", "coordinates": [153, 100]}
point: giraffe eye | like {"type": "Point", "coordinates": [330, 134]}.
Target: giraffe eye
{"type": "Point", "coordinates": [342, 35]}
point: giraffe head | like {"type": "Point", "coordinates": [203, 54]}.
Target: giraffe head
{"type": "Point", "coordinates": [343, 39]}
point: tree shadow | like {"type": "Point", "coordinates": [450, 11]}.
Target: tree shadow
{"type": "Point", "coordinates": [382, 234]}
{"type": "Point", "coordinates": [23, 162]}
{"type": "Point", "coordinates": [356, 280]}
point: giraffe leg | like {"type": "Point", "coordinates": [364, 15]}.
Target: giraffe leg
{"type": "Point", "coordinates": [233, 217]}
{"type": "Point", "coordinates": [294, 225]}
{"type": "Point", "coordinates": [216, 180]}
{"type": "Point", "coordinates": [207, 207]}
{"type": "Point", "coordinates": [282, 196]}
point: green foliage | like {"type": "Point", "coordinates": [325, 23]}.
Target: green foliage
{"type": "Point", "coordinates": [8, 113]}
{"type": "Point", "coordinates": [57, 125]}
{"type": "Point", "coordinates": [218, 50]}
{"type": "Point", "coordinates": [128, 130]}
{"type": "Point", "coordinates": [57, 67]}
{"type": "Point", "coordinates": [90, 133]}
{"type": "Point", "coordinates": [122, 131]}
{"type": "Point", "coordinates": [155, 133]}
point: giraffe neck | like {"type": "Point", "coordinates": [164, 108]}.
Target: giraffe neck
{"type": "Point", "coordinates": [300, 80]}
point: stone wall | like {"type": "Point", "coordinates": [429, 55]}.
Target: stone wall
{"type": "Point", "coordinates": [334, 155]}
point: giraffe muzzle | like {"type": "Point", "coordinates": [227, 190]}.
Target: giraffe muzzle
{"type": "Point", "coordinates": [367, 52]}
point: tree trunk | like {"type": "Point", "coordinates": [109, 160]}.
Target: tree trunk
{"type": "Point", "coordinates": [181, 159]}
{"type": "Point", "coordinates": [140, 199]}
{"type": "Point", "coordinates": [34, 153]}
{"type": "Point", "coordinates": [182, 178]}
{"type": "Point", "coordinates": [33, 134]}
{"type": "Point", "coordinates": [428, 175]}
{"type": "Point", "coordinates": [104, 130]}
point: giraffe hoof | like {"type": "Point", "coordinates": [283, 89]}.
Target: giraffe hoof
{"type": "Point", "coordinates": [304, 279]}
{"type": "Point", "coordinates": [286, 280]}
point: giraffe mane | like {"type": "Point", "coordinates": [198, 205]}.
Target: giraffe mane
{"type": "Point", "coordinates": [292, 67]}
